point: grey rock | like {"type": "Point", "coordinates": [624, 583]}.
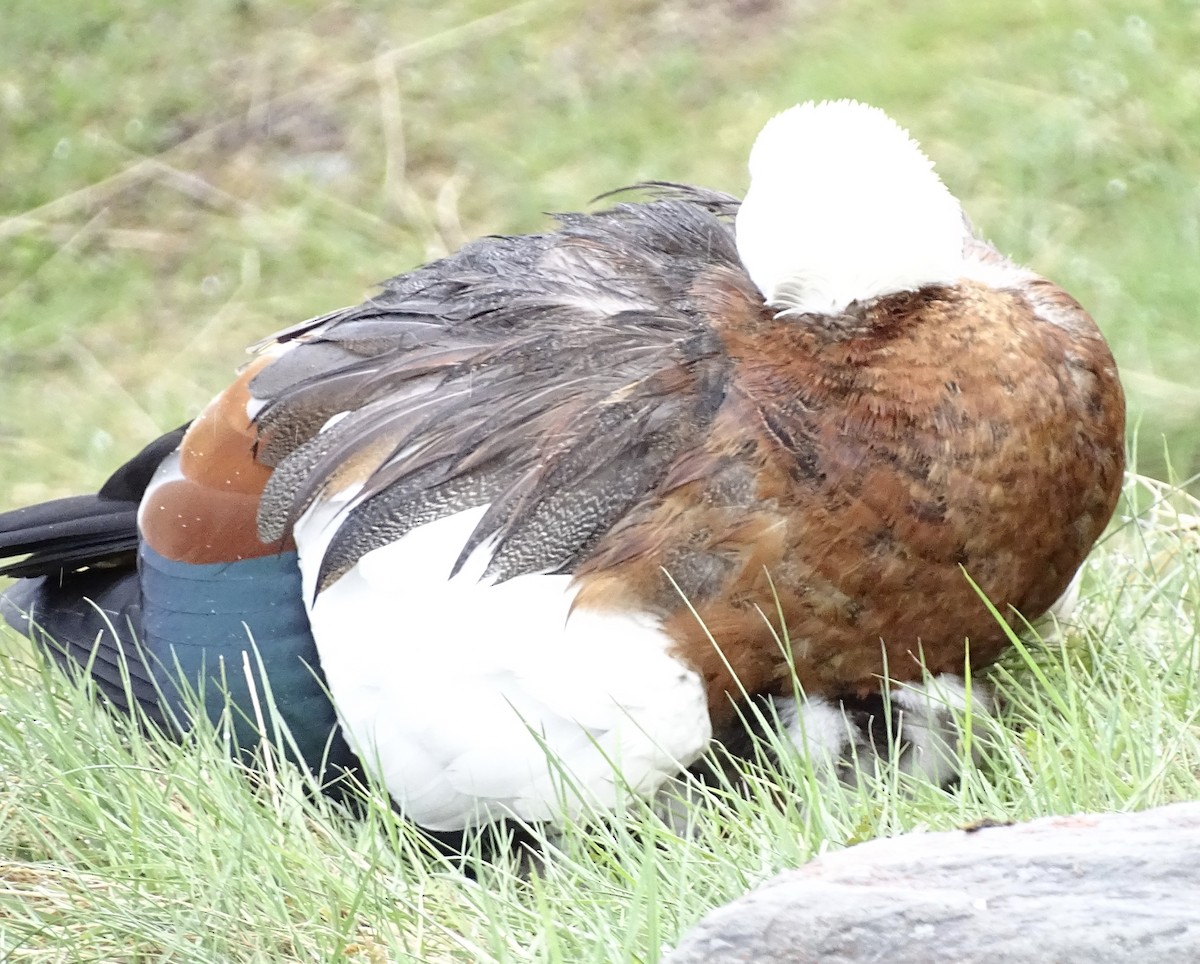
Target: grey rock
{"type": "Point", "coordinates": [1101, 889]}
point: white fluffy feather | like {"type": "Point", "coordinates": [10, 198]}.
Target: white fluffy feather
{"type": "Point", "coordinates": [820, 730]}
{"type": "Point", "coordinates": [843, 206]}
{"type": "Point", "coordinates": [459, 691]}
{"type": "Point", "coordinates": [931, 720]}
{"type": "Point", "coordinates": [927, 722]}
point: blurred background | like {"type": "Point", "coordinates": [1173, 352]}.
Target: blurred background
{"type": "Point", "coordinates": [180, 180]}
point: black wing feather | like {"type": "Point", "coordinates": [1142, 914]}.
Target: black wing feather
{"type": "Point", "coordinates": [83, 530]}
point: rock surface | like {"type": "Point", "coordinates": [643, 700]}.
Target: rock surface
{"type": "Point", "coordinates": [1097, 888]}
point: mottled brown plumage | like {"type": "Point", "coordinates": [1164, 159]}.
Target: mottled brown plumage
{"type": "Point", "coordinates": [861, 468]}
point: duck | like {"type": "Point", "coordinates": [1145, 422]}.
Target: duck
{"type": "Point", "coordinates": [520, 534]}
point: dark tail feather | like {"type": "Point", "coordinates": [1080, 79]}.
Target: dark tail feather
{"type": "Point", "coordinates": [67, 534]}
{"type": "Point", "coordinates": [83, 530]}
{"type": "Point", "coordinates": [78, 595]}
{"type": "Point", "coordinates": [89, 622]}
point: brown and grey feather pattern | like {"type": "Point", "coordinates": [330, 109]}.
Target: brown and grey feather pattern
{"type": "Point", "coordinates": [553, 376]}
{"type": "Point", "coordinates": [632, 413]}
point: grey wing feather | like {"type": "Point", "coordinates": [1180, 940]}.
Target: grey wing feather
{"type": "Point", "coordinates": [555, 376]}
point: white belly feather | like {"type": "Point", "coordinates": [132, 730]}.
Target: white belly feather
{"type": "Point", "coordinates": [474, 701]}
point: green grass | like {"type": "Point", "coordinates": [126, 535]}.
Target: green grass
{"type": "Point", "coordinates": [114, 846]}
{"type": "Point", "coordinates": [180, 181]}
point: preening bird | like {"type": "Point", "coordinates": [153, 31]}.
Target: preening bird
{"type": "Point", "coordinates": [574, 495]}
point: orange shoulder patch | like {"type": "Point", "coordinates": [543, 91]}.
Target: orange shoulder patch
{"type": "Point", "coordinates": [207, 511]}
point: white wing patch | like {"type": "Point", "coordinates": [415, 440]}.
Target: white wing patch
{"type": "Point", "coordinates": [475, 701]}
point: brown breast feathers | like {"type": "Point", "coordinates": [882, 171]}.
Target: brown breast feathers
{"type": "Point", "coordinates": [859, 467]}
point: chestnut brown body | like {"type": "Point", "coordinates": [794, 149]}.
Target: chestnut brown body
{"type": "Point", "coordinates": [859, 470]}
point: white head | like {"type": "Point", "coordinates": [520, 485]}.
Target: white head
{"type": "Point", "coordinates": [843, 206]}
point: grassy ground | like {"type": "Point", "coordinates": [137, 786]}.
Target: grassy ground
{"type": "Point", "coordinates": [113, 847]}
{"type": "Point", "coordinates": [179, 181]}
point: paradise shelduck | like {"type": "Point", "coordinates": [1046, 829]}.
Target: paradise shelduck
{"type": "Point", "coordinates": [541, 513]}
